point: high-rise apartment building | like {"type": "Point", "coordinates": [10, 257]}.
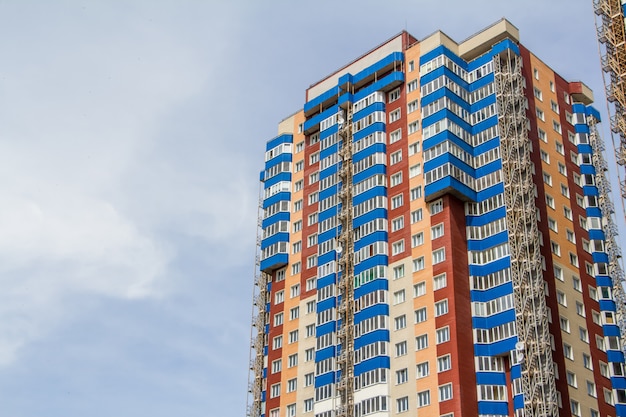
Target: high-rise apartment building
{"type": "Point", "coordinates": [436, 239]}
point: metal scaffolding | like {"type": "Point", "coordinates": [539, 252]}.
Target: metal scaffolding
{"type": "Point", "coordinates": [609, 228]}
{"type": "Point", "coordinates": [345, 255]}
{"type": "Point", "coordinates": [611, 32]}
{"type": "Point", "coordinates": [260, 297]}
{"type": "Point", "coordinates": [537, 376]}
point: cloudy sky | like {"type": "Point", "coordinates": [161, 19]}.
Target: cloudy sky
{"type": "Point", "coordinates": [131, 136]}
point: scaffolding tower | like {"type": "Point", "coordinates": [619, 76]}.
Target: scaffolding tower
{"type": "Point", "coordinates": [611, 32]}
{"type": "Point", "coordinates": [609, 228]}
{"type": "Point", "coordinates": [345, 260]}
{"type": "Point", "coordinates": [534, 352]}
{"type": "Point", "coordinates": [260, 317]}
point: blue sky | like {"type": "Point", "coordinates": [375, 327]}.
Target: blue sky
{"type": "Point", "coordinates": [131, 136]}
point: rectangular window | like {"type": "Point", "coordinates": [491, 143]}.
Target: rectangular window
{"type": "Point", "coordinates": [401, 349]}
{"type": "Point", "coordinates": [418, 264]}
{"type": "Point", "coordinates": [293, 360]}
{"type": "Point", "coordinates": [397, 201]}
{"type": "Point", "coordinates": [443, 335]}
{"type": "Point", "coordinates": [444, 363]}
{"type": "Point", "coordinates": [417, 239]}
{"type": "Point", "coordinates": [439, 282]}
{"type": "Point", "coordinates": [421, 342]}
{"type": "Point", "coordinates": [277, 366]}
{"type": "Point", "coordinates": [394, 115]}
{"type": "Point", "coordinates": [416, 192]}
{"type": "Point", "coordinates": [441, 308]}
{"type": "Point", "coordinates": [445, 392]}
{"type": "Point", "coordinates": [398, 271]}
{"type": "Point", "coordinates": [399, 297]}
{"type": "Point", "coordinates": [436, 231]}
{"type": "Point", "coordinates": [397, 247]}
{"type": "Point", "coordinates": [422, 370]}
{"type": "Point", "coordinates": [402, 404]}
{"type": "Point", "coordinates": [423, 398]}
{"type": "Point", "coordinates": [400, 322]}
{"type": "Point", "coordinates": [416, 216]}
{"type": "Point", "coordinates": [402, 376]}
{"type": "Point", "coordinates": [439, 255]}
{"type": "Point", "coordinates": [397, 224]}
{"type": "Point", "coordinates": [396, 179]}
{"type": "Point", "coordinates": [420, 315]}
{"type": "Point", "coordinates": [419, 289]}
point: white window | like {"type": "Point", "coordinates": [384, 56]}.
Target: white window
{"type": "Point", "coordinates": [295, 290]}
{"type": "Point", "coordinates": [435, 207]}
{"type": "Point", "coordinates": [398, 271]}
{"type": "Point", "coordinates": [402, 376]}
{"type": "Point", "coordinates": [394, 95]}
{"type": "Point", "coordinates": [416, 216]}
{"type": "Point", "coordinates": [397, 201]}
{"type": "Point", "coordinates": [439, 255]}
{"type": "Point", "coordinates": [308, 405]}
{"type": "Point", "coordinates": [396, 179]}
{"type": "Point", "coordinates": [443, 335]}
{"type": "Point", "coordinates": [297, 247]}
{"type": "Point", "coordinates": [395, 115]}
{"type": "Point", "coordinates": [417, 239]}
{"type": "Point", "coordinates": [423, 398]}
{"type": "Point", "coordinates": [400, 322]}
{"type": "Point", "coordinates": [439, 282]}
{"type": "Point", "coordinates": [395, 136]}
{"type": "Point", "coordinates": [415, 170]}
{"type": "Point", "coordinates": [395, 157]}
{"type": "Point", "coordinates": [401, 349]}
{"type": "Point", "coordinates": [402, 404]}
{"type": "Point", "coordinates": [540, 114]}
{"type": "Point", "coordinates": [397, 247]}
{"type": "Point", "coordinates": [279, 297]}
{"type": "Point", "coordinates": [444, 363]}
{"type": "Point", "coordinates": [292, 385]}
{"type": "Point", "coordinates": [418, 264]}
{"type": "Point", "coordinates": [397, 224]}
{"type": "Point", "coordinates": [421, 342]}
{"type": "Point", "coordinates": [413, 127]}
{"type": "Point", "coordinates": [309, 379]}
{"type": "Point", "coordinates": [416, 193]}
{"type": "Point", "coordinates": [420, 315]}
{"type": "Point", "coordinates": [293, 360]}
{"type": "Point", "coordinates": [412, 106]}
{"type": "Point", "coordinates": [445, 392]}
{"type": "Point", "coordinates": [399, 297]}
{"type": "Point", "coordinates": [277, 366]}
{"type": "Point", "coordinates": [436, 231]}
{"type": "Point", "coordinates": [278, 319]}
{"type": "Point", "coordinates": [441, 308]}
{"type": "Point", "coordinates": [422, 370]}
{"type": "Point", "coordinates": [419, 289]}
{"type": "Point", "coordinates": [275, 390]}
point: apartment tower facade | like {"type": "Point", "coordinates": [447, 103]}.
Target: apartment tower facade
{"type": "Point", "coordinates": [436, 239]}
